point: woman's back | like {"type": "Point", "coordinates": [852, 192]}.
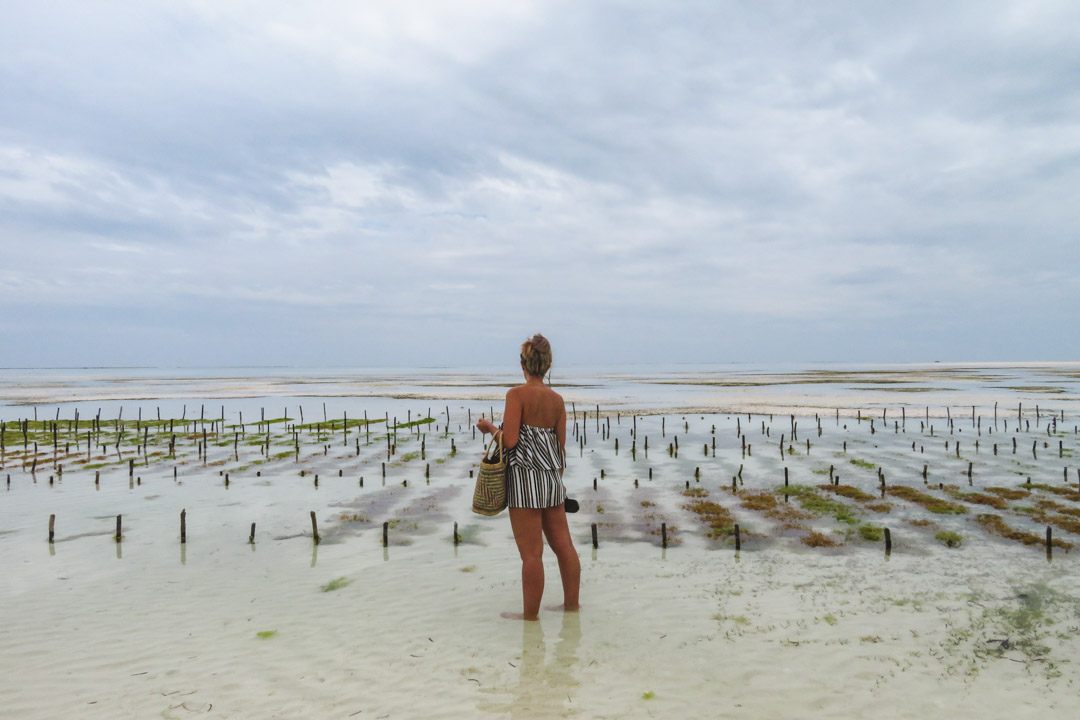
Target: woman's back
{"type": "Point", "coordinates": [540, 405]}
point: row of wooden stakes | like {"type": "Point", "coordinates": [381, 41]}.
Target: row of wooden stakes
{"type": "Point", "coordinates": [118, 537]}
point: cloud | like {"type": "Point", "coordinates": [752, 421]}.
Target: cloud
{"type": "Point", "coordinates": [611, 171]}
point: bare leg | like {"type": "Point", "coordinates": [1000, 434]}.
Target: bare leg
{"type": "Point", "coordinates": [527, 524]}
{"type": "Point", "coordinates": [558, 537]}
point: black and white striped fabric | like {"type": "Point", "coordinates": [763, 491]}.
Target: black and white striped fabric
{"type": "Point", "coordinates": [534, 475]}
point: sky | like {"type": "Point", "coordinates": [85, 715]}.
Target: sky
{"type": "Point", "coordinates": [232, 182]}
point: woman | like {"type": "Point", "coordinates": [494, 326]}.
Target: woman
{"type": "Point", "coordinates": [534, 435]}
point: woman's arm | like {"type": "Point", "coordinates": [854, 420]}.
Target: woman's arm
{"type": "Point", "coordinates": [560, 428]}
{"type": "Point", "coordinates": [511, 421]}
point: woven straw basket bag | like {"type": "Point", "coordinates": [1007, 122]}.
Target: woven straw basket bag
{"type": "Point", "coordinates": [489, 498]}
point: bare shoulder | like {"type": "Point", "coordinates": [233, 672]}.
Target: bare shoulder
{"type": "Point", "coordinates": [555, 401]}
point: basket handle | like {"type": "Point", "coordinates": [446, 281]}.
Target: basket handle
{"type": "Point", "coordinates": [502, 451]}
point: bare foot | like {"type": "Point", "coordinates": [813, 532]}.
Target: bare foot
{"type": "Point", "coordinates": [564, 608]}
{"type": "Point", "coordinates": [518, 616]}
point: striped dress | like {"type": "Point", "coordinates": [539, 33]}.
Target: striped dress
{"type": "Point", "coordinates": [535, 468]}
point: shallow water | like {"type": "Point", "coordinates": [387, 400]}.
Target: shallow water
{"type": "Point", "coordinates": [150, 627]}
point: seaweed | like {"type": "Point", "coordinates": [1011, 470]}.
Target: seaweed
{"type": "Point", "coordinates": [995, 525]}
{"type": "Point", "coordinates": [336, 584]}
{"type": "Point", "coordinates": [719, 519]}
{"type": "Point", "coordinates": [975, 498]}
{"type": "Point", "coordinates": [817, 539]}
{"type": "Point", "coordinates": [1008, 493]}
{"type": "Point", "coordinates": [929, 502]}
{"type": "Point", "coordinates": [848, 491]}
{"type": "Point", "coordinates": [871, 533]}
{"type": "Point", "coordinates": [949, 539]}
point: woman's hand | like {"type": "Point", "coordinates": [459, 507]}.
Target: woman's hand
{"type": "Point", "coordinates": [485, 426]}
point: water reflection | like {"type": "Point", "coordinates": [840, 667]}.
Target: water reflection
{"type": "Point", "coordinates": [545, 687]}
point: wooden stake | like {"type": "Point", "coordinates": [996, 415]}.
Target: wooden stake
{"type": "Point", "coordinates": [52, 527]}
{"type": "Point", "coordinates": [119, 528]}
{"type": "Point", "coordinates": [385, 534]}
{"type": "Point", "coordinates": [888, 541]}
{"type": "Point", "coordinates": [595, 543]}
{"type": "Point", "coordinates": [315, 528]}
{"type": "Point", "coordinates": [738, 538]}
{"type": "Point", "coordinates": [251, 538]}
{"type": "Point", "coordinates": [183, 526]}
{"type": "Point", "coordinates": [663, 535]}
{"type": "Point", "coordinates": [457, 538]}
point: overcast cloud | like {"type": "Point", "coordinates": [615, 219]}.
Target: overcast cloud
{"type": "Point", "coordinates": [343, 183]}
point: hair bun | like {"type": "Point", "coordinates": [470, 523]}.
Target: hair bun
{"type": "Point", "coordinates": [536, 355]}
{"type": "Point", "coordinates": [540, 343]}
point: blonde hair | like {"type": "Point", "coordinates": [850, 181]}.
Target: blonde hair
{"type": "Point", "coordinates": [536, 355]}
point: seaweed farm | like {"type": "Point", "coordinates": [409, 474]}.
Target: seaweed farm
{"type": "Point", "coordinates": [821, 482]}
{"type": "Point", "coordinates": [196, 555]}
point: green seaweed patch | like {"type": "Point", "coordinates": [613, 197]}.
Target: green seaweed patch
{"type": "Point", "coordinates": [414, 423]}
{"type": "Point", "coordinates": [332, 425]}
{"type": "Point", "coordinates": [818, 505]}
{"type": "Point", "coordinates": [871, 533]}
{"type": "Point", "coordinates": [720, 521]}
{"type": "Point", "coordinates": [948, 538]}
{"type": "Point", "coordinates": [995, 525]}
{"type": "Point", "coordinates": [1058, 507]}
{"type": "Point", "coordinates": [975, 498]}
{"type": "Point", "coordinates": [352, 517]}
{"type": "Point", "coordinates": [817, 539]}
{"type": "Point", "coordinates": [848, 491]}
{"type": "Point", "coordinates": [863, 464]}
{"type": "Point", "coordinates": [933, 504]}
{"type": "Point", "coordinates": [795, 490]}
{"type": "Point", "coordinates": [336, 584]}
{"type": "Point", "coordinates": [1064, 492]}
{"type": "Point", "coordinates": [264, 634]}
{"type": "Point", "coordinates": [767, 504]}
{"type": "Point", "coordinates": [1008, 493]}
{"type": "Point", "coordinates": [1066, 521]}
